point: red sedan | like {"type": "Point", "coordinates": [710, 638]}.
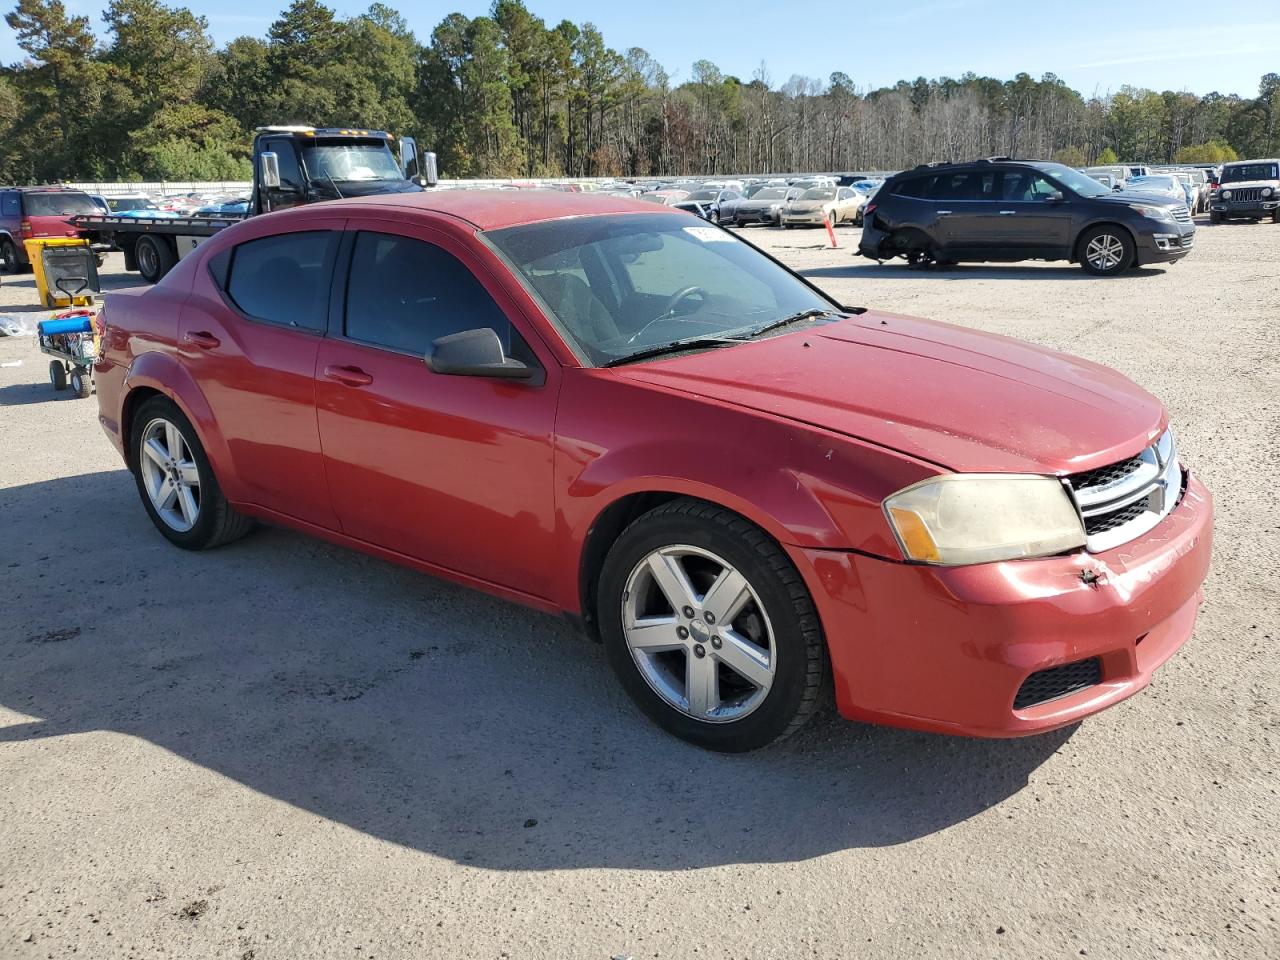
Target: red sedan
{"type": "Point", "coordinates": [747, 491]}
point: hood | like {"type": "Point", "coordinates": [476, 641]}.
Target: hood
{"type": "Point", "coordinates": [805, 206]}
{"type": "Point", "coordinates": [1246, 184]}
{"type": "Point", "coordinates": [1142, 196]}
{"type": "Point", "coordinates": [760, 204]}
{"type": "Point", "coordinates": [958, 398]}
{"type": "Point", "coordinates": [370, 188]}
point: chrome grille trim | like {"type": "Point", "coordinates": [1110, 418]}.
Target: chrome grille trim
{"type": "Point", "coordinates": [1123, 501]}
{"type": "Point", "coordinates": [1182, 214]}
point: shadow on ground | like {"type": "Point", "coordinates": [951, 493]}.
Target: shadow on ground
{"type": "Point", "coordinates": [900, 270]}
{"type": "Point", "coordinates": [423, 713]}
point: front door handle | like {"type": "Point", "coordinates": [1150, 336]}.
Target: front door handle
{"type": "Point", "coordinates": [1007, 213]}
{"type": "Point", "coordinates": [944, 213]}
{"type": "Point", "coordinates": [351, 376]}
{"type": "Point", "coordinates": [201, 339]}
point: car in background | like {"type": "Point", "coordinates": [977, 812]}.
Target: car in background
{"type": "Point", "coordinates": [752, 495]}
{"type": "Point", "coordinates": [765, 207]}
{"type": "Point", "coordinates": [138, 206]}
{"type": "Point", "coordinates": [32, 212]}
{"type": "Point", "coordinates": [719, 202]}
{"type": "Point", "coordinates": [819, 205]}
{"type": "Point", "coordinates": [1247, 190]}
{"type": "Point", "coordinates": [100, 202]}
{"type": "Point", "coordinates": [998, 210]}
{"type": "Point", "coordinates": [1108, 180]}
{"type": "Point", "coordinates": [1190, 188]}
{"type": "Point", "coordinates": [1157, 185]}
{"type": "Point", "coordinates": [666, 197]}
{"type": "Point", "coordinates": [225, 208]}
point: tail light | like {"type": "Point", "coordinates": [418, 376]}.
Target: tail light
{"type": "Point", "coordinates": [869, 209]}
{"type": "Point", "coordinates": [26, 228]}
{"type": "Point", "coordinates": [99, 321]}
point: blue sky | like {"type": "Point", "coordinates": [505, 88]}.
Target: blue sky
{"type": "Point", "coordinates": [1194, 45]}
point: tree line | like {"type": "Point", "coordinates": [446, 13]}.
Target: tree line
{"type": "Point", "coordinates": [507, 95]}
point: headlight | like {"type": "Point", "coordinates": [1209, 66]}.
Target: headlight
{"type": "Point", "coordinates": [1155, 213]}
{"type": "Point", "coordinates": [1266, 191]}
{"type": "Point", "coordinates": [1226, 194]}
{"type": "Point", "coordinates": [983, 517]}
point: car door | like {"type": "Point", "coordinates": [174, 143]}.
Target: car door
{"type": "Point", "coordinates": [452, 470]}
{"type": "Point", "coordinates": [248, 335]}
{"type": "Point", "coordinates": [1034, 216]}
{"type": "Point", "coordinates": [966, 213]}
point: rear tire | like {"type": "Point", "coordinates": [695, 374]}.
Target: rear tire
{"type": "Point", "coordinates": [9, 257]}
{"type": "Point", "coordinates": [199, 519]}
{"type": "Point", "coordinates": [57, 375]}
{"type": "Point", "coordinates": [1105, 251]}
{"type": "Point", "coordinates": [760, 681]}
{"type": "Point", "coordinates": [155, 257]}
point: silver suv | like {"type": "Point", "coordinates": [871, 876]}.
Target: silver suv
{"type": "Point", "coordinates": [1249, 190]}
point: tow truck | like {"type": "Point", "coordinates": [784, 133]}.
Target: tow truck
{"type": "Point", "coordinates": [292, 165]}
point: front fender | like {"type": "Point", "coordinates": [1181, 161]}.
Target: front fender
{"type": "Point", "coordinates": [159, 371]}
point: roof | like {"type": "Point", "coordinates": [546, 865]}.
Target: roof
{"type": "Point", "coordinates": [495, 209]}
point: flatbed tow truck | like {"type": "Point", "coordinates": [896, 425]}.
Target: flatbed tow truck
{"type": "Point", "coordinates": [292, 165]}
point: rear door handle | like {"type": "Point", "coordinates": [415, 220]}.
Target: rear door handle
{"type": "Point", "coordinates": [205, 341]}
{"type": "Point", "coordinates": [1007, 213]}
{"type": "Point", "coordinates": [351, 376]}
{"type": "Point", "coordinates": [944, 213]}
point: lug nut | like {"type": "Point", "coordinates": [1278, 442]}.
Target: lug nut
{"type": "Point", "coordinates": [682, 633]}
{"type": "Point", "coordinates": [688, 612]}
{"type": "Point", "coordinates": [709, 617]}
{"type": "Point", "coordinates": [717, 642]}
{"type": "Point", "coordinates": [699, 650]}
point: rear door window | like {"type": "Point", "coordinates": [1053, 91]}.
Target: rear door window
{"type": "Point", "coordinates": [917, 187]}
{"type": "Point", "coordinates": [284, 279]}
{"type": "Point", "coordinates": [404, 293]}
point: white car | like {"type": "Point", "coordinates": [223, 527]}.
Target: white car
{"type": "Point", "coordinates": [817, 205]}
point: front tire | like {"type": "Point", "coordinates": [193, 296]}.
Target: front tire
{"type": "Point", "coordinates": [710, 628]}
{"type": "Point", "coordinates": [1105, 251]}
{"type": "Point", "coordinates": [57, 375]}
{"type": "Point", "coordinates": [176, 482]}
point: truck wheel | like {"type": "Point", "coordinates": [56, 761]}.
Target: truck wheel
{"type": "Point", "coordinates": [1215, 217]}
{"type": "Point", "coordinates": [1275, 215]}
{"type": "Point", "coordinates": [81, 383]}
{"type": "Point", "coordinates": [57, 375]}
{"type": "Point", "coordinates": [9, 257]}
{"type": "Point", "coordinates": [155, 256]}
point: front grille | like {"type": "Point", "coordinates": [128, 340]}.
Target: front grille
{"type": "Point", "coordinates": [1124, 500]}
{"type": "Point", "coordinates": [1246, 194]}
{"type": "Point", "coordinates": [1045, 685]}
{"type": "Point", "coordinates": [1189, 240]}
{"type": "Point", "coordinates": [1182, 214]}
{"type": "Point", "coordinates": [1109, 474]}
{"type": "Point", "coordinates": [1110, 521]}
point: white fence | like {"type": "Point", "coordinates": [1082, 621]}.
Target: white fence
{"type": "Point", "coordinates": [169, 188]}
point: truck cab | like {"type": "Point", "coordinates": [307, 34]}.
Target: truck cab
{"type": "Point", "coordinates": [294, 165]}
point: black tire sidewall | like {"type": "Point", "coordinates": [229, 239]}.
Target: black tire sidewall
{"type": "Point", "coordinates": [202, 533]}
{"type": "Point", "coordinates": [785, 698]}
{"type": "Point", "coordinates": [1126, 263]}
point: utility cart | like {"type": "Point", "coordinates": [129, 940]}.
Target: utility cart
{"type": "Point", "coordinates": [72, 342]}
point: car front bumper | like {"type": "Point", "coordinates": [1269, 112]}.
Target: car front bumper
{"type": "Point", "coordinates": [1244, 208]}
{"type": "Point", "coordinates": [814, 219]}
{"type": "Point", "coordinates": [947, 649]}
{"type": "Point", "coordinates": [1166, 243]}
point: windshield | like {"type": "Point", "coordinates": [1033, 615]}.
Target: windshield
{"type": "Point", "coordinates": [1081, 184]}
{"type": "Point", "coordinates": [818, 193]}
{"type": "Point", "coordinates": [131, 203]}
{"type": "Point", "coordinates": [1157, 183]}
{"type": "Point", "coordinates": [770, 193]}
{"type": "Point", "coordinates": [866, 186]}
{"type": "Point", "coordinates": [704, 195]}
{"type": "Point", "coordinates": [350, 160]}
{"type": "Point", "coordinates": [58, 204]}
{"type": "Point", "coordinates": [1249, 171]}
{"type": "Point", "coordinates": [618, 285]}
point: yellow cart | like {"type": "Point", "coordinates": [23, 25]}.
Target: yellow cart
{"type": "Point", "coordinates": [66, 271]}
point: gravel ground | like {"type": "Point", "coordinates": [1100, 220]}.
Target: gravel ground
{"type": "Point", "coordinates": [285, 749]}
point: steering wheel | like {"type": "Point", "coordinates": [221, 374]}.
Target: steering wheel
{"type": "Point", "coordinates": [672, 302]}
{"type": "Point", "coordinates": [679, 296]}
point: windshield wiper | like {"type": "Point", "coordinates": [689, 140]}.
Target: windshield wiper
{"type": "Point", "coordinates": [674, 346]}
{"type": "Point", "coordinates": [783, 321]}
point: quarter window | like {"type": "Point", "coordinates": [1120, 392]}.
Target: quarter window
{"type": "Point", "coordinates": [405, 293]}
{"type": "Point", "coordinates": [11, 205]}
{"type": "Point", "coordinates": [917, 187]}
{"type": "Point", "coordinates": [284, 279]}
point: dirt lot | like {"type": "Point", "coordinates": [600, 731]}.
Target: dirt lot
{"type": "Point", "coordinates": [282, 749]}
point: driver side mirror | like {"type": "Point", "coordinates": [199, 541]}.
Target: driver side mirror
{"type": "Point", "coordinates": [1055, 196]}
{"type": "Point", "coordinates": [478, 353]}
{"type": "Point", "coordinates": [1117, 187]}
{"type": "Point", "coordinates": [269, 170]}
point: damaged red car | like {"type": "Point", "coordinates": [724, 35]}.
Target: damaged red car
{"type": "Point", "coordinates": [755, 497]}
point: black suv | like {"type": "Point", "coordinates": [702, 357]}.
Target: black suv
{"type": "Point", "coordinates": [1001, 209]}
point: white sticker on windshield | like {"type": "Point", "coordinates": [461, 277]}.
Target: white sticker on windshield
{"type": "Point", "coordinates": [709, 234]}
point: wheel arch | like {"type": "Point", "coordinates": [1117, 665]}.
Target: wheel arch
{"type": "Point", "coordinates": [1104, 222]}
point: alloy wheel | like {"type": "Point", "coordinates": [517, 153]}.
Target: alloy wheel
{"type": "Point", "coordinates": [1105, 252]}
{"type": "Point", "coordinates": [699, 634]}
{"type": "Point", "coordinates": [170, 475]}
